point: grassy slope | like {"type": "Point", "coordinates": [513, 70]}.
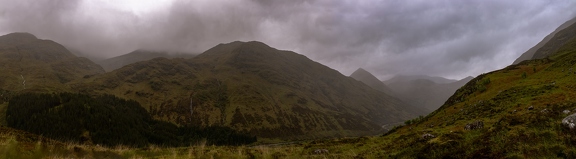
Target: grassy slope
{"type": "Point", "coordinates": [510, 128]}
{"type": "Point", "coordinates": [30, 64]}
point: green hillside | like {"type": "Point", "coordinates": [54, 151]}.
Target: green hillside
{"type": "Point", "coordinates": [28, 63]}
{"type": "Point", "coordinates": [252, 87]}
{"type": "Point", "coordinates": [515, 112]}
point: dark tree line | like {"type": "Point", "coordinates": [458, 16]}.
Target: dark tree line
{"type": "Point", "coordinates": [107, 120]}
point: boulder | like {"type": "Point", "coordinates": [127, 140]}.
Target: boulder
{"type": "Point", "coordinates": [427, 136]}
{"type": "Point", "coordinates": [570, 122]}
{"type": "Point", "coordinates": [531, 107]}
{"type": "Point", "coordinates": [321, 151]}
{"type": "Point", "coordinates": [474, 125]}
{"type": "Point", "coordinates": [566, 111]}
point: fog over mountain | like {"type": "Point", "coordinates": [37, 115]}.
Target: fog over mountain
{"type": "Point", "coordinates": [452, 39]}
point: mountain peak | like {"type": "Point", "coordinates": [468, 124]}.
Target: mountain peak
{"type": "Point", "coordinates": [369, 79]}
{"type": "Point", "coordinates": [20, 35]}
{"type": "Point", "coordinates": [226, 48]}
{"type": "Point", "coordinates": [16, 38]}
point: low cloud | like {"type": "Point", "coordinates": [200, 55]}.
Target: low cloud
{"type": "Point", "coordinates": [446, 38]}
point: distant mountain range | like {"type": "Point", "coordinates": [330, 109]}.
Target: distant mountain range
{"type": "Point", "coordinates": [424, 92]}
{"type": "Point", "coordinates": [370, 80]}
{"type": "Point", "coordinates": [252, 87]}
{"type": "Point", "coordinates": [247, 86]}
{"type": "Point", "coordinates": [401, 78]}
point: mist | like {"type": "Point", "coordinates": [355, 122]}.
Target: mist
{"type": "Point", "coordinates": [452, 39]}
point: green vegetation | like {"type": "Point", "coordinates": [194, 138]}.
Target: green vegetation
{"type": "Point", "coordinates": [251, 87]}
{"type": "Point", "coordinates": [106, 120]}
{"type": "Point", "coordinates": [523, 75]}
{"type": "Point", "coordinates": [482, 84]}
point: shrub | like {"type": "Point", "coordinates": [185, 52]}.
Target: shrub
{"type": "Point", "coordinates": [523, 75]}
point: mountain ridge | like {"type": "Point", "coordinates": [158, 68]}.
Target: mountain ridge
{"type": "Point", "coordinates": [367, 78]}
{"type": "Point", "coordinates": [529, 54]}
{"type": "Point", "coordinates": [137, 56]}
{"type": "Point", "coordinates": [252, 87]}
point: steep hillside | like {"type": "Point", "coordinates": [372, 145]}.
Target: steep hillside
{"type": "Point", "coordinates": [530, 53]}
{"type": "Point", "coordinates": [559, 44]}
{"type": "Point", "coordinates": [34, 64]}
{"type": "Point", "coordinates": [137, 56]}
{"type": "Point", "coordinates": [515, 112]}
{"type": "Point", "coordinates": [370, 80]}
{"type": "Point", "coordinates": [252, 87]}
{"type": "Point", "coordinates": [425, 91]}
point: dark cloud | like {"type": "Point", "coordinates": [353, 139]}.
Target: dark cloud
{"type": "Point", "coordinates": [441, 38]}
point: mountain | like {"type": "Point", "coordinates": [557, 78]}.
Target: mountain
{"type": "Point", "coordinates": [252, 87]}
{"type": "Point", "coordinates": [400, 78]}
{"type": "Point", "coordinates": [27, 62]}
{"type": "Point", "coordinates": [370, 80]}
{"type": "Point", "coordinates": [424, 91]}
{"type": "Point", "coordinates": [136, 56]}
{"type": "Point", "coordinates": [530, 54]}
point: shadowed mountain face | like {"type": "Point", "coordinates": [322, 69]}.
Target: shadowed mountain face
{"type": "Point", "coordinates": [30, 63]}
{"type": "Point", "coordinates": [252, 87]}
{"type": "Point", "coordinates": [137, 56]}
{"type": "Point", "coordinates": [370, 80]}
{"type": "Point", "coordinates": [531, 53]}
{"type": "Point", "coordinates": [401, 78]}
{"type": "Point", "coordinates": [424, 91]}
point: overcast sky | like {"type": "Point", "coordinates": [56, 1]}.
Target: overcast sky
{"type": "Point", "coordinates": [448, 38]}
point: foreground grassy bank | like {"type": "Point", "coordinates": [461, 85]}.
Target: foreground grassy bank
{"type": "Point", "coordinates": [20, 144]}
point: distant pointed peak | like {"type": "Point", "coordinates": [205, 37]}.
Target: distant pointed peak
{"type": "Point", "coordinates": [361, 69]}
